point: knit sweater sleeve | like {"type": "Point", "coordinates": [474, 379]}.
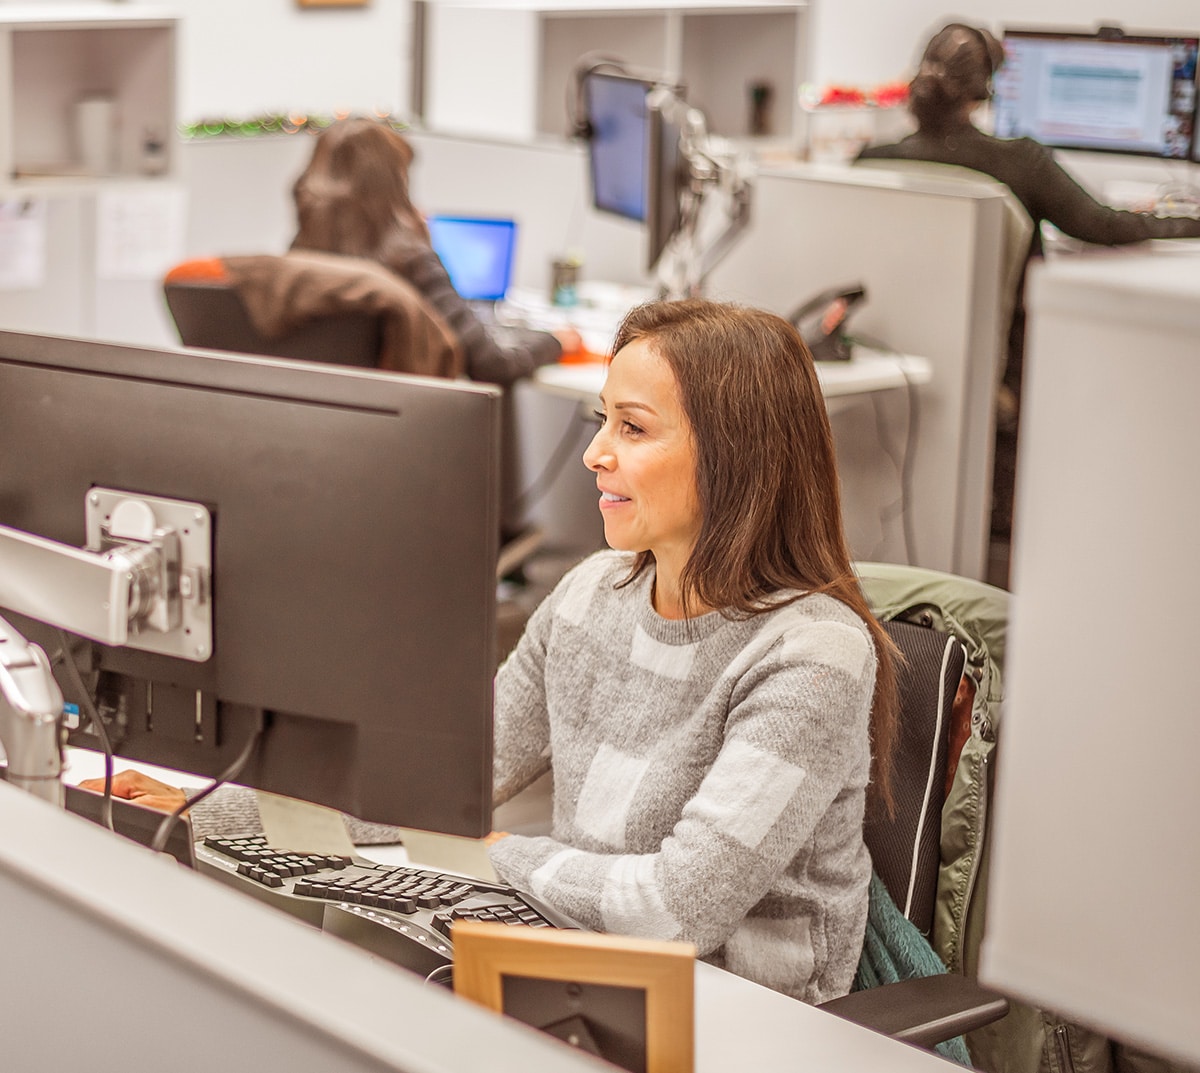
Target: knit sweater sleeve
{"type": "Point", "coordinates": [499, 355]}
{"type": "Point", "coordinates": [522, 729]}
{"type": "Point", "coordinates": [794, 741]}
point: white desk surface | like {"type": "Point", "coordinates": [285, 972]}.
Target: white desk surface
{"type": "Point", "coordinates": [869, 370]}
{"type": "Point", "coordinates": [739, 1025]}
{"type": "Point", "coordinates": [598, 313]}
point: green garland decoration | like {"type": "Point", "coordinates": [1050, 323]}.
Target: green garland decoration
{"type": "Point", "coordinates": [226, 127]}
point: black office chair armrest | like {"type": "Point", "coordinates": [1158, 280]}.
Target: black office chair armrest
{"type": "Point", "coordinates": [923, 1011]}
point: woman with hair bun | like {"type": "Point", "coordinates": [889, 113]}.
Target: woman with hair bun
{"type": "Point", "coordinates": [954, 78]}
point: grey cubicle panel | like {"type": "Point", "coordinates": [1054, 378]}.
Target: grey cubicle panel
{"type": "Point", "coordinates": [1105, 582]}
{"type": "Point", "coordinates": [118, 956]}
{"type": "Point", "coordinates": [930, 255]}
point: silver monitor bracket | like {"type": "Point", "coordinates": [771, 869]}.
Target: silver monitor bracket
{"type": "Point", "coordinates": [714, 203]}
{"type": "Point", "coordinates": [31, 705]}
{"type": "Point", "coordinates": [144, 579]}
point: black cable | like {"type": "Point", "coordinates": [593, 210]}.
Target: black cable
{"type": "Point", "coordinates": [907, 460]}
{"type": "Point", "coordinates": [544, 481]}
{"type": "Point", "coordinates": [89, 708]}
{"type": "Point", "coordinates": [164, 829]}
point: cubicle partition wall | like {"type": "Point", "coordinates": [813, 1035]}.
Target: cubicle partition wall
{"type": "Point", "coordinates": [1104, 581]}
{"type": "Point", "coordinates": [930, 254]}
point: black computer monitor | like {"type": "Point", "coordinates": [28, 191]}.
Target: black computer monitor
{"type": "Point", "coordinates": [618, 124]}
{"type": "Point", "coordinates": [667, 179]}
{"type": "Point", "coordinates": [1101, 91]}
{"type": "Point", "coordinates": [635, 156]}
{"type": "Point", "coordinates": [354, 519]}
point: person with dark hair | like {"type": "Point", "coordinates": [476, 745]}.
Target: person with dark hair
{"type": "Point", "coordinates": [712, 695]}
{"type": "Point", "coordinates": [353, 199]}
{"type": "Point", "coordinates": [953, 79]}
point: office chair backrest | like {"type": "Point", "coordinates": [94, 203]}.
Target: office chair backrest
{"type": "Point", "coordinates": [905, 847]}
{"type": "Point", "coordinates": [209, 313]}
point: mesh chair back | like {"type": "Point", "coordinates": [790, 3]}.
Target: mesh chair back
{"type": "Point", "coordinates": [905, 847]}
{"type": "Point", "coordinates": [211, 315]}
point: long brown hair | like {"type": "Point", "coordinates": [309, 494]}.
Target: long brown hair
{"type": "Point", "coordinates": [766, 476]}
{"type": "Point", "coordinates": [353, 198]}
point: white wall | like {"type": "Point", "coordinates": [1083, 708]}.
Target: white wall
{"type": "Point", "coordinates": [241, 58]}
{"type": "Point", "coordinates": [895, 34]}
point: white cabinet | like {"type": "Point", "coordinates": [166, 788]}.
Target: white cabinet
{"type": "Point", "coordinates": [505, 68]}
{"type": "Point", "coordinates": [86, 90]}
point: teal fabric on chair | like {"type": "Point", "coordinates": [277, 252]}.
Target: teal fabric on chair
{"type": "Point", "coordinates": [893, 950]}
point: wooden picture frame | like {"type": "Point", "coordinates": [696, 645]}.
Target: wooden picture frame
{"type": "Point", "coordinates": [630, 1001]}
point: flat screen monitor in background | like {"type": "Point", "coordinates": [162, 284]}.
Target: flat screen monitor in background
{"type": "Point", "coordinates": [635, 157]}
{"type": "Point", "coordinates": [477, 252]}
{"type": "Point", "coordinates": [353, 517]}
{"type": "Point", "coordinates": [618, 121]}
{"type": "Point", "coordinates": [1111, 93]}
{"type": "Point", "coordinates": [667, 176]}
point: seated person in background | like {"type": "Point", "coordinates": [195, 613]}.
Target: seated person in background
{"type": "Point", "coordinates": [713, 697]}
{"type": "Point", "coordinates": [954, 78]}
{"type": "Point", "coordinates": [352, 199]}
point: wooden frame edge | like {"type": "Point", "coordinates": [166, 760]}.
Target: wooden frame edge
{"type": "Point", "coordinates": [485, 953]}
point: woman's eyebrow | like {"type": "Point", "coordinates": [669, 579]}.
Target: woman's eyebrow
{"type": "Point", "coordinates": [632, 404]}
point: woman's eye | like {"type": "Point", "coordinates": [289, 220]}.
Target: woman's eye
{"type": "Point", "coordinates": [630, 427]}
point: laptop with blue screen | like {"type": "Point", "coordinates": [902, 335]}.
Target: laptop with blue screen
{"type": "Point", "coordinates": [478, 254]}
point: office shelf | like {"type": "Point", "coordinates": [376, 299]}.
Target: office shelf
{"type": "Point", "coordinates": [506, 68]}
{"type": "Point", "coordinates": [55, 57]}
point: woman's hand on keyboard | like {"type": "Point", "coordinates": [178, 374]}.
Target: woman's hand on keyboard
{"type": "Point", "coordinates": [141, 789]}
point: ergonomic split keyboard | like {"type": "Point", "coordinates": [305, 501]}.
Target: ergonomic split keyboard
{"type": "Point", "coordinates": [403, 914]}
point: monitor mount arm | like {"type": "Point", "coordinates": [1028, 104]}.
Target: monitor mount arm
{"type": "Point", "coordinates": [31, 707]}
{"type": "Point", "coordinates": [143, 581]}
{"type": "Point", "coordinates": [715, 167]}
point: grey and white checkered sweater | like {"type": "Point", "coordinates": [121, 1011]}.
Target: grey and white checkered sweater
{"type": "Point", "coordinates": [709, 775]}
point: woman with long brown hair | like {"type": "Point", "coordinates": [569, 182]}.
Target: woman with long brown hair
{"type": "Point", "coordinates": [353, 199]}
{"type": "Point", "coordinates": [712, 695]}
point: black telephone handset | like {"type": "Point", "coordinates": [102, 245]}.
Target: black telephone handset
{"type": "Point", "coordinates": [821, 321]}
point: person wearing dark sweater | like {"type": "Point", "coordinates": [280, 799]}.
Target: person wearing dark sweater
{"type": "Point", "coordinates": [352, 198]}
{"type": "Point", "coordinates": [954, 78]}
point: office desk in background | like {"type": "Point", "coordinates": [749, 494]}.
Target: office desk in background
{"type": "Point", "coordinates": [868, 371]}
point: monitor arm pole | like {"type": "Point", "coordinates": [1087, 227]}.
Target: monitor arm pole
{"type": "Point", "coordinates": [31, 707]}
{"type": "Point", "coordinates": [715, 167]}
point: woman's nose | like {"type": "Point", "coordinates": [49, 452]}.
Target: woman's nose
{"type": "Point", "coordinates": [597, 455]}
